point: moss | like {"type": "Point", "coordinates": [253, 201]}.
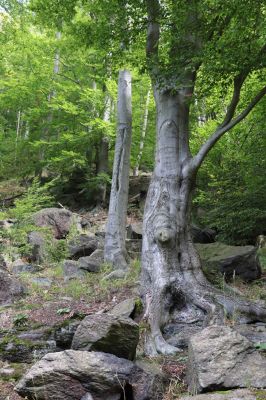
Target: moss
{"type": "Point", "coordinates": [138, 307]}
{"type": "Point", "coordinates": [260, 394]}
{"type": "Point", "coordinates": [19, 370]}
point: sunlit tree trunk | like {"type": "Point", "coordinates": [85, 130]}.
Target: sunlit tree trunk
{"type": "Point", "coordinates": [49, 118]}
{"type": "Point", "coordinates": [103, 153]}
{"type": "Point", "coordinates": [115, 251]}
{"type": "Point", "coordinates": [143, 133]}
{"type": "Point", "coordinates": [173, 285]}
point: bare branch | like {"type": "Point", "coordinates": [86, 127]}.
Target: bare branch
{"type": "Point", "coordinates": [70, 79]}
{"type": "Point", "coordinates": [222, 129]}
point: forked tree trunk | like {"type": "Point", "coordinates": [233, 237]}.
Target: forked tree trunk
{"type": "Point", "coordinates": [173, 285]}
{"type": "Point", "coordinates": [115, 236]}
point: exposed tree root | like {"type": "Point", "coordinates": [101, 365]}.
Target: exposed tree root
{"type": "Point", "coordinates": [203, 302]}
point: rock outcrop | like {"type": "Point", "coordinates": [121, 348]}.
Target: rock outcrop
{"type": "Point", "coordinates": [229, 260]}
{"type": "Point", "coordinates": [59, 220]}
{"type": "Point", "coordinates": [83, 245]}
{"type": "Point", "coordinates": [220, 358]}
{"type": "Point", "coordinates": [109, 334]}
{"type": "Point", "coordinates": [10, 288]}
{"type": "Point", "coordinates": [76, 375]}
{"type": "Point", "coordinates": [239, 394]}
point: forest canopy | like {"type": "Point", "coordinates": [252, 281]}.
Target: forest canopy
{"type": "Point", "coordinates": [58, 77]}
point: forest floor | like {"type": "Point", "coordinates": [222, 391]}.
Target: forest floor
{"type": "Point", "coordinates": [64, 300]}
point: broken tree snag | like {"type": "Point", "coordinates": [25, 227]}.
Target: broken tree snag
{"type": "Point", "coordinates": [115, 250]}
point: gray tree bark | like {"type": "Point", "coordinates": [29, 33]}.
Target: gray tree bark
{"type": "Point", "coordinates": [103, 154]}
{"type": "Point", "coordinates": [49, 118]}
{"type": "Point", "coordinates": [173, 285]}
{"type": "Point", "coordinates": [114, 250]}
{"type": "Point", "coordinates": [143, 133]}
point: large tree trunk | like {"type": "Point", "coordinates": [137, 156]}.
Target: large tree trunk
{"type": "Point", "coordinates": [173, 285]}
{"type": "Point", "coordinates": [115, 236]}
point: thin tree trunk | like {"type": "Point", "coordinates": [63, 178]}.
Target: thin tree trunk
{"type": "Point", "coordinates": [103, 154]}
{"type": "Point", "coordinates": [49, 118]}
{"type": "Point", "coordinates": [115, 251]}
{"type": "Point", "coordinates": [143, 133]}
{"type": "Point", "coordinates": [17, 133]}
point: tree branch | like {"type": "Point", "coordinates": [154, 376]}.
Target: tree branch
{"type": "Point", "coordinates": [238, 83]}
{"type": "Point", "coordinates": [223, 128]}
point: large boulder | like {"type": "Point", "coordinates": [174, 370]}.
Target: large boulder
{"type": "Point", "coordinates": [10, 288]}
{"type": "Point", "coordinates": [79, 375]}
{"type": "Point", "coordinates": [220, 358]}
{"type": "Point", "coordinates": [59, 220]}
{"type": "Point", "coordinates": [229, 260]}
{"type": "Point", "coordinates": [109, 334]}
{"type": "Point", "coordinates": [83, 245]}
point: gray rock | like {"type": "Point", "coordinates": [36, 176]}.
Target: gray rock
{"type": "Point", "coordinates": [133, 247]}
{"type": "Point", "coordinates": [202, 235]}
{"type": "Point", "coordinates": [83, 245]}
{"type": "Point", "coordinates": [59, 220]}
{"type": "Point", "coordinates": [3, 263]}
{"type": "Point", "coordinates": [75, 375]}
{"type": "Point", "coordinates": [93, 262]}
{"type": "Point", "coordinates": [220, 358]}
{"type": "Point", "coordinates": [41, 281]}
{"type": "Point", "coordinates": [7, 223]}
{"type": "Point", "coordinates": [178, 334]}
{"type": "Point", "coordinates": [227, 259]}
{"type": "Point", "coordinates": [71, 270]}
{"type": "Point", "coordinates": [10, 288]}
{"type": "Point", "coordinates": [255, 333]}
{"type": "Point", "coordinates": [116, 274]}
{"type": "Point", "coordinates": [134, 231]}
{"type": "Point", "coordinates": [125, 309]}
{"type": "Point", "coordinates": [18, 267]}
{"type": "Point", "coordinates": [239, 394]}
{"type": "Point", "coordinates": [64, 334]}
{"type": "Point", "coordinates": [37, 241]}
{"type": "Point", "coordinates": [26, 348]}
{"type": "Point", "coordinates": [109, 334]}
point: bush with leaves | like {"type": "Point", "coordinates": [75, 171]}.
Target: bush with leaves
{"type": "Point", "coordinates": [15, 239]}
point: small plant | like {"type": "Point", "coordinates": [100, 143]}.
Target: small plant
{"type": "Point", "coordinates": [62, 311]}
{"type": "Point", "coordinates": [260, 346]}
{"type": "Point", "coordinates": [20, 320]}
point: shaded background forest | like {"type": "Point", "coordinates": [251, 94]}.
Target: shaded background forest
{"type": "Point", "coordinates": [55, 89]}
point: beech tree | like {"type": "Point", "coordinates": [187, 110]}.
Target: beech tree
{"type": "Point", "coordinates": [115, 235]}
{"type": "Point", "coordinates": [172, 279]}
{"type": "Point", "coordinates": [192, 47]}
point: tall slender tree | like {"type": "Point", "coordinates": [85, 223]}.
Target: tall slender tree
{"type": "Point", "coordinates": [115, 235]}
